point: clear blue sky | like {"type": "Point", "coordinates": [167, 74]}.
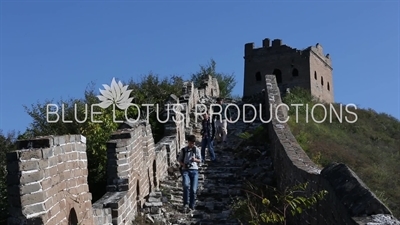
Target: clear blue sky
{"type": "Point", "coordinates": [54, 49]}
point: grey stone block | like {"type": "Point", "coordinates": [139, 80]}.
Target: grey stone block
{"type": "Point", "coordinates": [29, 188]}
{"type": "Point", "coordinates": [30, 154]}
{"type": "Point", "coordinates": [59, 140]}
{"type": "Point", "coordinates": [47, 153]}
{"type": "Point", "coordinates": [30, 199]}
{"type": "Point", "coordinates": [31, 177]}
{"type": "Point", "coordinates": [32, 209]}
{"type": "Point", "coordinates": [58, 150]}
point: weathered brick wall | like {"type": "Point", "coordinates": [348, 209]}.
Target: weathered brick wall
{"type": "Point", "coordinates": [191, 95]}
{"type": "Point", "coordinates": [285, 59]}
{"type": "Point", "coordinates": [136, 165]}
{"type": "Point", "coordinates": [321, 79]}
{"type": "Point", "coordinates": [209, 87]}
{"type": "Point", "coordinates": [47, 181]}
{"type": "Point", "coordinates": [54, 173]}
{"type": "Point", "coordinates": [347, 196]}
{"type": "Point", "coordinates": [130, 158]}
{"type": "Point", "coordinates": [135, 168]}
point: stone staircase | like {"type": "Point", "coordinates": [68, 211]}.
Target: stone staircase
{"type": "Point", "coordinates": [219, 184]}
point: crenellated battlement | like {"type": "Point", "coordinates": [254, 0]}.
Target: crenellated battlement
{"type": "Point", "coordinates": [276, 46]}
{"type": "Point", "coordinates": [266, 43]}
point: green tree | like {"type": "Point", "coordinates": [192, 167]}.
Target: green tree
{"type": "Point", "coordinates": [97, 134]}
{"type": "Point", "coordinates": [149, 90]}
{"type": "Point", "coordinates": [152, 89]}
{"type": "Point", "coordinates": [155, 90]}
{"type": "Point", "coordinates": [226, 82]}
{"type": "Point", "coordinates": [7, 144]}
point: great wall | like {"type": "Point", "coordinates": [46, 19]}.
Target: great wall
{"type": "Point", "coordinates": [47, 177]}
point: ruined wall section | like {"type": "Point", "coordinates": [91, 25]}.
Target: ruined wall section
{"type": "Point", "coordinates": [187, 100]}
{"type": "Point", "coordinates": [136, 165]}
{"type": "Point", "coordinates": [47, 181]}
{"type": "Point", "coordinates": [174, 129]}
{"type": "Point", "coordinates": [135, 168]}
{"type": "Point", "coordinates": [204, 94]}
{"type": "Point", "coordinates": [209, 87]}
{"type": "Point", "coordinates": [130, 157]}
{"type": "Point", "coordinates": [348, 199]}
{"type": "Point", "coordinates": [321, 80]}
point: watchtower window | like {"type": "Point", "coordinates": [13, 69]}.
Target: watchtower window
{"type": "Point", "coordinates": [322, 81]}
{"type": "Point", "coordinates": [295, 72]}
{"type": "Point", "coordinates": [329, 88]}
{"type": "Point", "coordinates": [315, 75]}
{"type": "Point", "coordinates": [258, 76]}
{"type": "Point", "coordinates": [278, 75]}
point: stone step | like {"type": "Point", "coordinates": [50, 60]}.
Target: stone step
{"type": "Point", "coordinates": [218, 183]}
{"type": "Point", "coordinates": [219, 167]}
{"type": "Point", "coordinates": [215, 170]}
{"type": "Point", "coordinates": [221, 174]}
{"type": "Point", "coordinates": [213, 178]}
{"type": "Point", "coordinates": [207, 222]}
{"type": "Point", "coordinates": [213, 222]}
{"type": "Point", "coordinates": [219, 193]}
{"type": "Point", "coordinates": [211, 193]}
{"type": "Point", "coordinates": [221, 188]}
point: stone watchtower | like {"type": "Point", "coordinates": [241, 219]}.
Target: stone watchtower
{"type": "Point", "coordinates": [308, 68]}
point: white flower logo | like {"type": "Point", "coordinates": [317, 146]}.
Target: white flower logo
{"type": "Point", "coordinates": [116, 94]}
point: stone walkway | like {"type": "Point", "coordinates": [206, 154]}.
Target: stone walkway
{"type": "Point", "coordinates": [219, 183]}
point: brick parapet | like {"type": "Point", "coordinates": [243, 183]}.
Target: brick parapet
{"type": "Point", "coordinates": [47, 178]}
{"type": "Point", "coordinates": [293, 166]}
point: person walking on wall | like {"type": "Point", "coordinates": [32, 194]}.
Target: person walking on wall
{"type": "Point", "coordinates": [208, 134]}
{"type": "Point", "coordinates": [189, 159]}
{"type": "Point", "coordinates": [221, 119]}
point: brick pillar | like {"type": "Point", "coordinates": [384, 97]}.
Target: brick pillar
{"type": "Point", "coordinates": [47, 181]}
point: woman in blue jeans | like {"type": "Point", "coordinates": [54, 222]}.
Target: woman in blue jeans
{"type": "Point", "coordinates": [189, 158]}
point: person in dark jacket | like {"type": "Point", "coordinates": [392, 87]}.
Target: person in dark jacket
{"type": "Point", "coordinates": [208, 134]}
{"type": "Point", "coordinates": [221, 120]}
